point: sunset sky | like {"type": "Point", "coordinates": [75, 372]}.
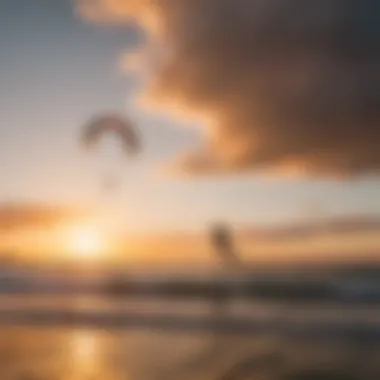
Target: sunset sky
{"type": "Point", "coordinates": [58, 68]}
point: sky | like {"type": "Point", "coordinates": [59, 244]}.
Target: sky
{"type": "Point", "coordinates": [57, 70]}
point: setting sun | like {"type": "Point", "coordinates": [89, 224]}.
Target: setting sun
{"type": "Point", "coordinates": [85, 243]}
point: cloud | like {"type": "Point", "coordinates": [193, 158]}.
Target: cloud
{"type": "Point", "coordinates": [25, 216]}
{"type": "Point", "coordinates": [311, 229]}
{"type": "Point", "coordinates": [333, 226]}
{"type": "Point", "coordinates": [290, 86]}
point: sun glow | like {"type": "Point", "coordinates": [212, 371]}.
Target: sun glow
{"type": "Point", "coordinates": [85, 243]}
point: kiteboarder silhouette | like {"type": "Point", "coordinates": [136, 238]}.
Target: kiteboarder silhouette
{"type": "Point", "coordinates": [224, 247]}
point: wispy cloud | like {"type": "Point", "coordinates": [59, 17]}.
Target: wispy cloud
{"type": "Point", "coordinates": [355, 237]}
{"type": "Point", "coordinates": [287, 85]}
{"type": "Point", "coordinates": [341, 226]}
{"type": "Point", "coordinates": [21, 216]}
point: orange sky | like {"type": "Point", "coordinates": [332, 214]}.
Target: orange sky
{"type": "Point", "coordinates": [86, 242]}
{"type": "Point", "coordinates": [264, 110]}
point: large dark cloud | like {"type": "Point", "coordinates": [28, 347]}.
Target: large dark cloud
{"type": "Point", "coordinates": [288, 85]}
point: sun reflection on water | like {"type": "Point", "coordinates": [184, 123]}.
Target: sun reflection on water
{"type": "Point", "coordinates": [85, 354]}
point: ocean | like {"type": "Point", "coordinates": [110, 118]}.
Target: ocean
{"type": "Point", "coordinates": [92, 337]}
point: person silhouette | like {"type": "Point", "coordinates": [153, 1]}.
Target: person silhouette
{"type": "Point", "coordinates": [223, 245]}
{"type": "Point", "coordinates": [224, 248]}
{"type": "Point", "coordinates": [221, 241]}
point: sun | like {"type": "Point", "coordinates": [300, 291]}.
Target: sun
{"type": "Point", "coordinates": [85, 243]}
